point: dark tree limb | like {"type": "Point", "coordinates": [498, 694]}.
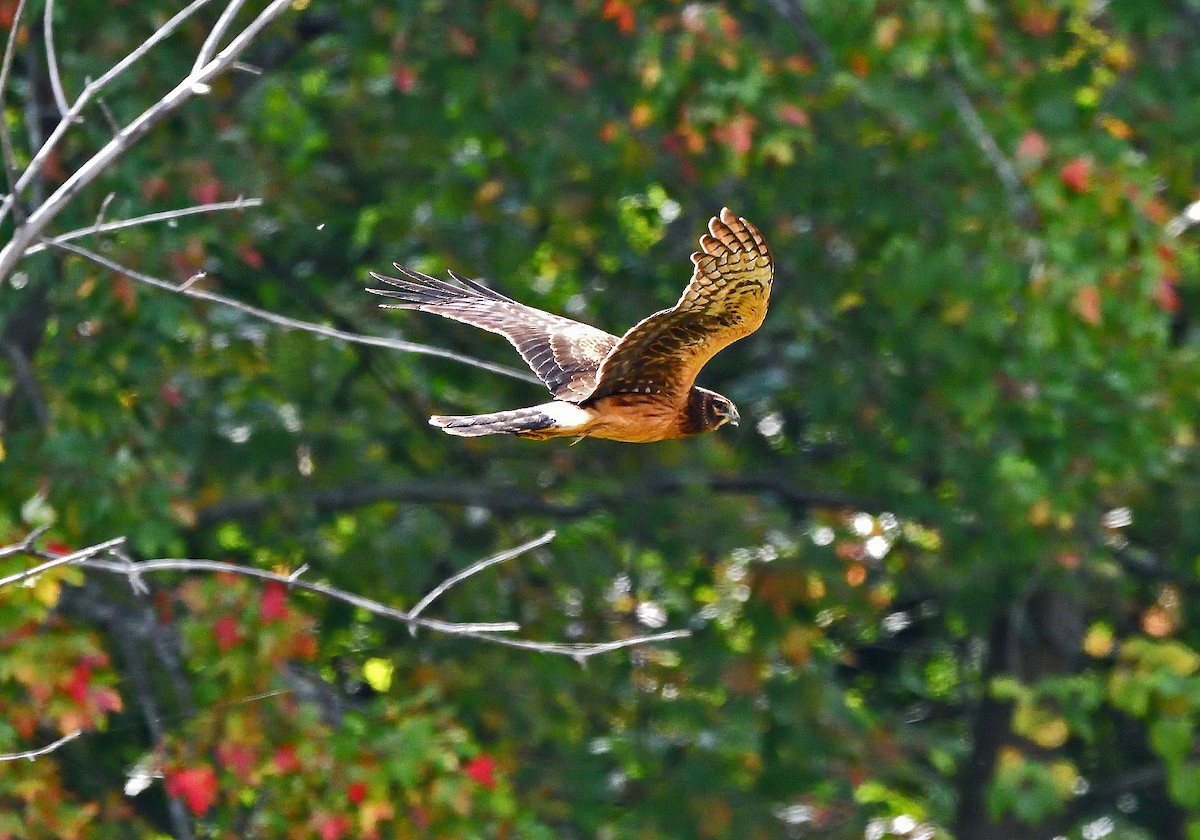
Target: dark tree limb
{"type": "Point", "coordinates": [516, 500]}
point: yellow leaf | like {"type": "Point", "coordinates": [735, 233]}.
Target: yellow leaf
{"type": "Point", "coordinates": [46, 589]}
{"type": "Point", "coordinates": [1050, 734]}
{"type": "Point", "coordinates": [957, 312]}
{"type": "Point", "coordinates": [848, 301]}
{"type": "Point", "coordinates": [378, 673]}
{"type": "Point", "coordinates": [1099, 640]}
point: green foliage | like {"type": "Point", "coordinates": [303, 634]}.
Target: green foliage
{"type": "Point", "coordinates": [942, 578]}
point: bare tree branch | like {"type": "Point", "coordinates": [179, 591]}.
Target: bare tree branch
{"type": "Point", "coordinates": [102, 226]}
{"type": "Point", "coordinates": [209, 49]}
{"type": "Point", "coordinates": [6, 144]}
{"type": "Point", "coordinates": [139, 567]}
{"type": "Point", "coordinates": [32, 229]}
{"type": "Point", "coordinates": [38, 753]}
{"type": "Point", "coordinates": [90, 90]}
{"type": "Point", "coordinates": [27, 380]}
{"type": "Point", "coordinates": [56, 85]}
{"type": "Point", "coordinates": [186, 289]}
{"type": "Point", "coordinates": [25, 546]}
{"type": "Point", "coordinates": [795, 14]}
{"type": "Point", "coordinates": [517, 500]}
{"type": "Point", "coordinates": [1006, 173]}
{"type": "Point", "coordinates": [65, 560]}
{"type": "Point", "coordinates": [485, 631]}
{"type": "Point", "coordinates": [478, 567]}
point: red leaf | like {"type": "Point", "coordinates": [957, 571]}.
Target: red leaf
{"type": "Point", "coordinates": [621, 12]}
{"type": "Point", "coordinates": [792, 114]}
{"type": "Point", "coordinates": [153, 187]}
{"type": "Point", "coordinates": [237, 757]}
{"type": "Point", "coordinates": [1076, 174]}
{"type": "Point", "coordinates": [226, 632]}
{"type": "Point", "coordinates": [197, 786]}
{"type": "Point", "coordinates": [1032, 148]}
{"type": "Point", "coordinates": [58, 549]}
{"type": "Point", "coordinates": [1167, 295]}
{"type": "Point", "coordinates": [206, 192]}
{"type": "Point", "coordinates": [331, 826]}
{"type": "Point", "coordinates": [273, 604]}
{"type": "Point", "coordinates": [737, 134]}
{"type": "Point", "coordinates": [250, 256]}
{"type": "Point", "coordinates": [286, 760]}
{"type": "Point", "coordinates": [356, 792]}
{"type": "Point", "coordinates": [404, 78]}
{"type": "Point", "coordinates": [482, 769]}
{"type": "Point", "coordinates": [78, 684]}
{"type": "Point", "coordinates": [171, 395]}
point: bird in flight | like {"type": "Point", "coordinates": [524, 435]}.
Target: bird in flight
{"type": "Point", "coordinates": [636, 388]}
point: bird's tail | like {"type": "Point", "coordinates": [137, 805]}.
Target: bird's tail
{"type": "Point", "coordinates": [526, 422]}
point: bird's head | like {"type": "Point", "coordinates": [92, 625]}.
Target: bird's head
{"type": "Point", "coordinates": [710, 411]}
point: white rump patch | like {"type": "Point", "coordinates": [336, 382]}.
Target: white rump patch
{"type": "Point", "coordinates": [565, 415]}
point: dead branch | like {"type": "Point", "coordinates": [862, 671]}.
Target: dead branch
{"type": "Point", "coordinates": [196, 81]}
{"type": "Point", "coordinates": [30, 755]}
{"type": "Point", "coordinates": [187, 289]}
{"type": "Point", "coordinates": [505, 499]}
{"type": "Point", "coordinates": [490, 632]}
{"type": "Point", "coordinates": [101, 226]}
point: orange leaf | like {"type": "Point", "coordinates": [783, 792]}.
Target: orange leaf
{"type": "Point", "coordinates": [1087, 304]}
{"type": "Point", "coordinates": [1076, 174]}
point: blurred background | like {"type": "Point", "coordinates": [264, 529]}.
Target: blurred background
{"type": "Point", "coordinates": [942, 580]}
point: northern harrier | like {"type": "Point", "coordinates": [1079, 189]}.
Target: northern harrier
{"type": "Point", "coordinates": [636, 388]}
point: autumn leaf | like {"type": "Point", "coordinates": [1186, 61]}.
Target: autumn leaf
{"type": "Point", "coordinates": [196, 786]}
{"type": "Point", "coordinates": [1032, 149]}
{"type": "Point", "coordinates": [227, 632]}
{"type": "Point", "coordinates": [1087, 303]}
{"type": "Point", "coordinates": [1076, 174]}
{"type": "Point", "coordinates": [482, 769]}
{"type": "Point", "coordinates": [286, 760]}
{"type": "Point", "coordinates": [272, 605]}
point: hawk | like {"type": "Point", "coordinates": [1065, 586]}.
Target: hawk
{"type": "Point", "coordinates": [637, 388]}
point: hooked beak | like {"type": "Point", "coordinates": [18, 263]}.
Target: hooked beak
{"type": "Point", "coordinates": [733, 415]}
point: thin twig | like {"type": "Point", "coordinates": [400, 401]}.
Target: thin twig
{"type": "Point", "coordinates": [65, 560]}
{"type": "Point", "coordinates": [100, 214]}
{"type": "Point", "coordinates": [290, 323]}
{"type": "Point", "coordinates": [139, 567]}
{"type": "Point", "coordinates": [38, 753]}
{"type": "Point", "coordinates": [6, 144]}
{"type": "Point", "coordinates": [583, 650]}
{"type": "Point", "coordinates": [482, 631]}
{"type": "Point", "coordinates": [479, 566]}
{"type": "Point", "coordinates": [1006, 173]}
{"type": "Point", "coordinates": [31, 231]}
{"type": "Point", "coordinates": [27, 380]}
{"type": "Point", "coordinates": [209, 49]}
{"type": "Point", "coordinates": [798, 18]}
{"type": "Point", "coordinates": [25, 546]}
{"type": "Point", "coordinates": [166, 215]}
{"type": "Point", "coordinates": [56, 85]}
{"type": "Point", "coordinates": [90, 90]}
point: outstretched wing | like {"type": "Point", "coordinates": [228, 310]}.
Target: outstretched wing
{"type": "Point", "coordinates": [725, 300]}
{"type": "Point", "coordinates": [565, 354]}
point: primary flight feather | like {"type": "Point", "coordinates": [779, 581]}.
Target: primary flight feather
{"type": "Point", "coordinates": [637, 388]}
